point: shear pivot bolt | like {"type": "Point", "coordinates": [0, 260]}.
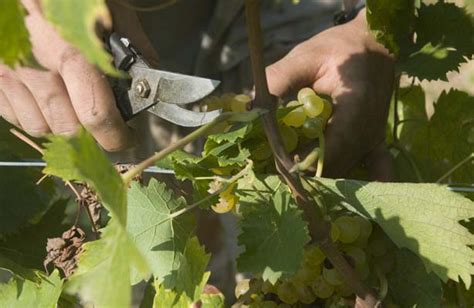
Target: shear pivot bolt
{"type": "Point", "coordinates": [142, 89]}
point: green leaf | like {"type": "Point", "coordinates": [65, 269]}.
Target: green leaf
{"type": "Point", "coordinates": [166, 298]}
{"type": "Point", "coordinates": [432, 62]}
{"type": "Point", "coordinates": [273, 236]}
{"type": "Point", "coordinates": [391, 22]}
{"type": "Point", "coordinates": [410, 285]}
{"type": "Point", "coordinates": [438, 144]}
{"type": "Point", "coordinates": [22, 293]}
{"type": "Point", "coordinates": [444, 40]}
{"type": "Point", "coordinates": [15, 46]}
{"type": "Point", "coordinates": [446, 24]}
{"type": "Point", "coordinates": [22, 201]}
{"type": "Point", "coordinates": [191, 276]}
{"type": "Point", "coordinates": [232, 136]}
{"type": "Point", "coordinates": [157, 233]}
{"type": "Point", "coordinates": [27, 248]}
{"type": "Point", "coordinates": [79, 158]}
{"type": "Point", "coordinates": [103, 273]}
{"type": "Point", "coordinates": [76, 22]}
{"type": "Point", "coordinates": [212, 301]}
{"type": "Point", "coordinates": [421, 217]}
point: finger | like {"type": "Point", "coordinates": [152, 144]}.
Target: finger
{"type": "Point", "coordinates": [344, 147]}
{"type": "Point", "coordinates": [94, 103]}
{"type": "Point", "coordinates": [380, 164]}
{"type": "Point", "coordinates": [292, 72]}
{"type": "Point", "coordinates": [52, 99]}
{"type": "Point", "coordinates": [24, 105]}
{"type": "Point", "coordinates": [6, 110]}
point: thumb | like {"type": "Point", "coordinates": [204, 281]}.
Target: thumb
{"type": "Point", "coordinates": [290, 74]}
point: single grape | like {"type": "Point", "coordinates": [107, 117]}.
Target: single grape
{"type": "Point", "coordinates": [296, 117]}
{"type": "Point", "coordinates": [262, 151]}
{"type": "Point", "coordinates": [287, 293]}
{"type": "Point", "coordinates": [313, 255]}
{"type": "Point", "coordinates": [226, 100]}
{"type": "Point", "coordinates": [332, 276]}
{"type": "Point", "coordinates": [313, 127]}
{"type": "Point", "coordinates": [344, 290]}
{"type": "Point", "coordinates": [385, 263]}
{"type": "Point", "coordinates": [290, 138]}
{"type": "Point", "coordinates": [335, 232]}
{"type": "Point", "coordinates": [356, 254]}
{"type": "Point", "coordinates": [263, 304]}
{"type": "Point", "coordinates": [365, 231]}
{"type": "Point", "coordinates": [363, 271]}
{"type": "Point", "coordinates": [240, 102]}
{"type": "Point", "coordinates": [305, 92]}
{"type": "Point", "coordinates": [379, 243]}
{"type": "Point", "coordinates": [268, 287]}
{"type": "Point", "coordinates": [307, 273]}
{"type": "Point", "coordinates": [349, 227]}
{"type": "Point", "coordinates": [304, 293]}
{"type": "Point", "coordinates": [211, 103]}
{"type": "Point", "coordinates": [321, 288]}
{"type": "Point", "coordinates": [327, 110]}
{"type": "Point", "coordinates": [313, 105]}
{"type": "Point", "coordinates": [242, 287]}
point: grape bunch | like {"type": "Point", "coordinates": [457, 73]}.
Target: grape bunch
{"type": "Point", "coordinates": [365, 247]}
{"type": "Point", "coordinates": [306, 120]}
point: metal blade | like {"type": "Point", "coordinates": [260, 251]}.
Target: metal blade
{"type": "Point", "coordinates": [37, 163]}
{"type": "Point", "coordinates": [183, 117]}
{"type": "Point", "coordinates": [174, 88]}
{"type": "Point", "coordinates": [150, 86]}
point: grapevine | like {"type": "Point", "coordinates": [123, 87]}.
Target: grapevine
{"type": "Point", "coordinates": [304, 240]}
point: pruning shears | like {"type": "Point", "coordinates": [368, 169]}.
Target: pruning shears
{"type": "Point", "coordinates": [164, 94]}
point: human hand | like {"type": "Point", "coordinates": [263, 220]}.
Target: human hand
{"type": "Point", "coordinates": [71, 93]}
{"type": "Point", "coordinates": [346, 63]}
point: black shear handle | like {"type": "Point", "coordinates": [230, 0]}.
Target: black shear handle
{"type": "Point", "coordinates": [124, 56]}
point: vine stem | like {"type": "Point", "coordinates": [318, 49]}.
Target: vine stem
{"type": "Point", "coordinates": [234, 178]}
{"type": "Point", "coordinates": [307, 162]}
{"type": "Point", "coordinates": [319, 229]}
{"type": "Point", "coordinates": [38, 148]}
{"type": "Point", "coordinates": [322, 146]}
{"type": "Point", "coordinates": [396, 118]}
{"type": "Point", "coordinates": [412, 163]}
{"type": "Point", "coordinates": [128, 176]}
{"type": "Point", "coordinates": [459, 165]}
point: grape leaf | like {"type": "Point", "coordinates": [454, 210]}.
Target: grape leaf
{"type": "Point", "coordinates": [191, 276]}
{"type": "Point", "coordinates": [160, 237]}
{"type": "Point", "coordinates": [421, 217]}
{"type": "Point", "coordinates": [232, 136]}
{"type": "Point", "coordinates": [273, 236]}
{"type": "Point", "coordinates": [438, 144]}
{"type": "Point", "coordinates": [18, 292]}
{"type": "Point", "coordinates": [15, 46]}
{"type": "Point", "coordinates": [391, 22]}
{"type": "Point", "coordinates": [212, 301]}
{"type": "Point", "coordinates": [166, 298]}
{"type": "Point", "coordinates": [76, 22]}
{"type": "Point", "coordinates": [409, 283]}
{"type": "Point", "coordinates": [446, 24]}
{"type": "Point", "coordinates": [79, 158]}
{"type": "Point", "coordinates": [432, 62]}
{"type": "Point", "coordinates": [103, 273]}
{"type": "Point", "coordinates": [27, 248]}
{"type": "Point", "coordinates": [22, 202]}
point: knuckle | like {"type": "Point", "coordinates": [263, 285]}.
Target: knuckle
{"type": "Point", "coordinates": [37, 132]}
{"type": "Point", "coordinates": [67, 56]}
{"type": "Point", "coordinates": [95, 120]}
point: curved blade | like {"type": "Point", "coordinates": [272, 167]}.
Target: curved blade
{"type": "Point", "coordinates": [181, 116]}
{"type": "Point", "coordinates": [174, 88]}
